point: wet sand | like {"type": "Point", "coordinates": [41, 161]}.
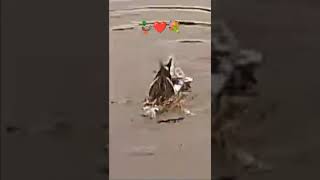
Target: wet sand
{"type": "Point", "coordinates": [139, 147]}
{"type": "Point", "coordinates": [286, 33]}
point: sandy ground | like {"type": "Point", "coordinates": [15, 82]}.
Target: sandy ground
{"type": "Point", "coordinates": [285, 32]}
{"type": "Point", "coordinates": [175, 151]}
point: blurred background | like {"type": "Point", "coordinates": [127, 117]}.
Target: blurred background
{"type": "Point", "coordinates": [286, 33]}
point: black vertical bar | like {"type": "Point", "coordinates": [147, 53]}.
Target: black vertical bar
{"type": "Point", "coordinates": [54, 61]}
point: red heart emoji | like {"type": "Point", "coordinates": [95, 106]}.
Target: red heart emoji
{"type": "Point", "coordinates": [160, 26]}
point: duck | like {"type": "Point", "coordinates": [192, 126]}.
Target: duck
{"type": "Point", "coordinates": [169, 81]}
{"type": "Point", "coordinates": [162, 87]}
{"type": "Point", "coordinates": [164, 92]}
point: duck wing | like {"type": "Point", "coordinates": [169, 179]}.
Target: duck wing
{"type": "Point", "coordinates": [161, 89]}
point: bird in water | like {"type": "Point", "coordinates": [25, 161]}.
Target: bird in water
{"type": "Point", "coordinates": [161, 88]}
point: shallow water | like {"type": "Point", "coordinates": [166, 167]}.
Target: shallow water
{"type": "Point", "coordinates": [180, 150]}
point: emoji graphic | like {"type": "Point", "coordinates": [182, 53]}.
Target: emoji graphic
{"type": "Point", "coordinates": [174, 26]}
{"type": "Point", "coordinates": [144, 27]}
{"type": "Point", "coordinates": [143, 23]}
{"type": "Point", "coordinates": [159, 26]}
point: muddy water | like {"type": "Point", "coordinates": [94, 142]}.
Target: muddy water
{"type": "Point", "coordinates": [139, 147]}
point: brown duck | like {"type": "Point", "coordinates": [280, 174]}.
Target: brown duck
{"type": "Point", "coordinates": [161, 88]}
